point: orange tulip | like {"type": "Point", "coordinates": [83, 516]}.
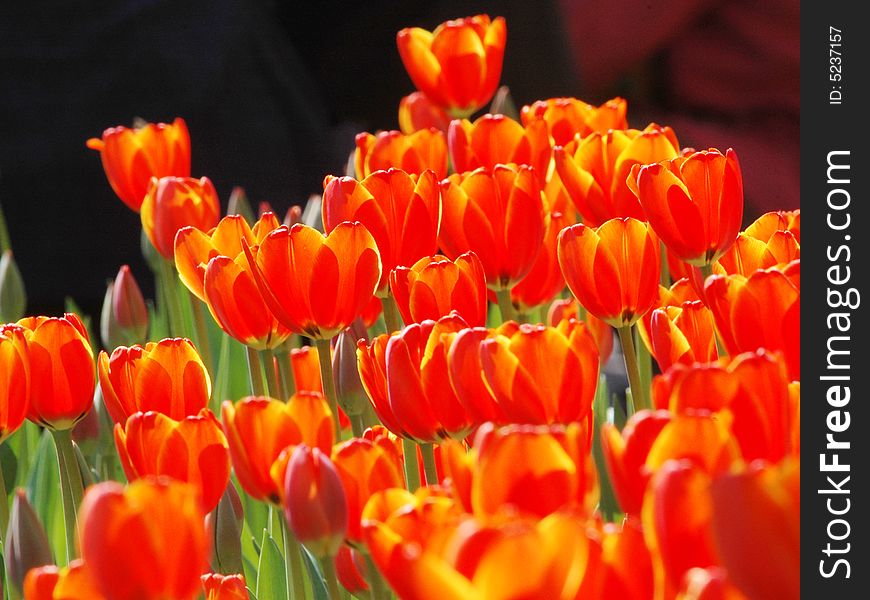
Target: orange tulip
{"type": "Point", "coordinates": [413, 153]}
{"type": "Point", "coordinates": [259, 428]}
{"type": "Point", "coordinates": [594, 170]}
{"type": "Point", "coordinates": [237, 306]}
{"type": "Point", "coordinates": [542, 375]}
{"type": "Point", "coordinates": [694, 202]}
{"type": "Point", "coordinates": [758, 311]}
{"type": "Point", "coordinates": [628, 571]}
{"type": "Point", "coordinates": [458, 65]}
{"type": "Point", "coordinates": [401, 211]}
{"type": "Point", "coordinates": [708, 584]}
{"type": "Point", "coordinates": [224, 587]}
{"type": "Point", "coordinates": [545, 279]}
{"type": "Point", "coordinates": [61, 370]}
{"type": "Point", "coordinates": [195, 248]}
{"type": "Point", "coordinates": [699, 436]}
{"type": "Point", "coordinates": [625, 454]}
{"type": "Point", "coordinates": [567, 117]}
{"type": "Point", "coordinates": [497, 139]}
{"type": "Point", "coordinates": [193, 450]}
{"type": "Point", "coordinates": [14, 379]}
{"type": "Point", "coordinates": [314, 501]}
{"type": "Point", "coordinates": [613, 270]}
{"type": "Point", "coordinates": [756, 522]}
{"type": "Point", "coordinates": [316, 285]}
{"type": "Point", "coordinates": [417, 112]}
{"type": "Point", "coordinates": [435, 286]}
{"type": "Point", "coordinates": [365, 467]}
{"type": "Point", "coordinates": [499, 215]}
{"type": "Point", "coordinates": [565, 309]}
{"type": "Point", "coordinates": [683, 334]}
{"type": "Point", "coordinates": [131, 157]}
{"type": "Point", "coordinates": [306, 369]}
{"type": "Point", "coordinates": [168, 377]}
{"type": "Point", "coordinates": [782, 220]}
{"type": "Point", "coordinates": [533, 470]}
{"type": "Point", "coordinates": [413, 367]}
{"type": "Point", "coordinates": [145, 541]}
{"type": "Point", "coordinates": [679, 293]}
{"type": "Point", "coordinates": [351, 570]}
{"type": "Point", "coordinates": [73, 582]}
{"type": "Point", "coordinates": [175, 202]}
{"type": "Point", "coordinates": [677, 522]}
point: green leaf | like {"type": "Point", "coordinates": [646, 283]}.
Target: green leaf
{"type": "Point", "coordinates": [23, 444]}
{"type": "Point", "coordinates": [315, 575]}
{"type": "Point", "coordinates": [43, 490]}
{"type": "Point", "coordinates": [271, 578]}
{"type": "Point", "coordinates": [231, 381]}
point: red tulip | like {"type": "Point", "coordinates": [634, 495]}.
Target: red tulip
{"type": "Point", "coordinates": [417, 112]}
{"type": "Point", "coordinates": [175, 202]}
{"type": "Point", "coordinates": [14, 379]}
{"type": "Point", "coordinates": [497, 139]}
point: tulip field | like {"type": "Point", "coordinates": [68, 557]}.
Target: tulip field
{"type": "Point", "coordinates": [398, 391]}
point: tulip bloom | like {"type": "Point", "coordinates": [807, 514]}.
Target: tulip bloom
{"type": "Point", "coordinates": [167, 377]}
{"type": "Point", "coordinates": [224, 587]}
{"type": "Point", "coordinates": [195, 248]}
{"type": "Point", "coordinates": [413, 153]}
{"type": "Point", "coordinates": [565, 309]}
{"type": "Point", "coordinates": [401, 211]}
{"type": "Point", "coordinates": [694, 202]}
{"type": "Point", "coordinates": [258, 429]}
{"type": "Point", "coordinates": [767, 500]}
{"type": "Point", "coordinates": [499, 215]}
{"type": "Point", "coordinates": [175, 202]}
{"type": "Point", "coordinates": [365, 467]}
{"type": "Point", "coordinates": [14, 379]}
{"type": "Point", "coordinates": [146, 541]}
{"type": "Point", "coordinates": [627, 564]}
{"type": "Point", "coordinates": [542, 375]}
{"type": "Point", "coordinates": [545, 279]}
{"type": "Point", "coordinates": [594, 170]}
{"type": "Point", "coordinates": [458, 65]}
{"type": "Point", "coordinates": [73, 582]}
{"type": "Point", "coordinates": [193, 450]}
{"type": "Point", "coordinates": [236, 305]}
{"type": "Point", "coordinates": [683, 334]}
{"type": "Point", "coordinates": [435, 286]}
{"type": "Point", "coordinates": [314, 501]}
{"type": "Point", "coordinates": [405, 375]}
{"type": "Point", "coordinates": [351, 570]}
{"type": "Point", "coordinates": [61, 370]}
{"type": "Point", "coordinates": [417, 112]}
{"type": "Point", "coordinates": [758, 311]}
{"type": "Point", "coordinates": [613, 270]}
{"type": "Point", "coordinates": [131, 157]}
{"type": "Point", "coordinates": [497, 139]}
{"type": "Point", "coordinates": [567, 117]}
{"type": "Point", "coordinates": [316, 285]}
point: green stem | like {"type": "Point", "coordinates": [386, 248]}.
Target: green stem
{"type": "Point", "coordinates": [285, 369]}
{"type": "Point", "coordinates": [508, 313]}
{"type": "Point", "coordinates": [357, 425]}
{"type": "Point", "coordinates": [706, 271]}
{"type": "Point", "coordinates": [644, 360]}
{"type": "Point", "coordinates": [70, 485]}
{"type": "Point", "coordinates": [328, 565]}
{"type": "Point", "coordinates": [4, 508]}
{"type": "Point", "coordinates": [664, 271]}
{"type": "Point", "coordinates": [293, 564]}
{"type": "Point", "coordinates": [274, 386]}
{"type": "Point", "coordinates": [376, 581]}
{"type": "Point", "coordinates": [5, 243]}
{"type": "Point", "coordinates": [631, 368]}
{"type": "Point", "coordinates": [173, 302]}
{"type": "Point", "coordinates": [328, 381]}
{"type": "Point", "coordinates": [428, 452]}
{"type": "Point", "coordinates": [202, 341]}
{"type": "Point", "coordinates": [392, 318]}
{"type": "Point", "coordinates": [412, 471]}
{"type": "Point", "coordinates": [255, 371]}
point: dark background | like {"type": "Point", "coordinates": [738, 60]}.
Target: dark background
{"type": "Point", "coordinates": [274, 92]}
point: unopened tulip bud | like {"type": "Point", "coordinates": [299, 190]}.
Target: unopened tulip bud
{"type": "Point", "coordinates": [26, 542]}
{"type": "Point", "coordinates": [315, 503]}
{"type": "Point", "coordinates": [351, 570]}
{"type": "Point", "coordinates": [124, 319]}
{"type": "Point", "coordinates": [238, 204]}
{"type": "Point", "coordinates": [293, 216]}
{"type": "Point", "coordinates": [13, 299]}
{"type": "Point", "coordinates": [349, 389]}
{"type": "Point", "coordinates": [224, 524]}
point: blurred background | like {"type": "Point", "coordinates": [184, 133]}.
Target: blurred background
{"type": "Point", "coordinates": [274, 92]}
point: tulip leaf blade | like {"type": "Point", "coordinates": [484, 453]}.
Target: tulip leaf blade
{"type": "Point", "coordinates": [315, 576]}
{"type": "Point", "coordinates": [607, 503]}
{"type": "Point", "coordinates": [43, 491]}
{"type": "Point", "coordinates": [271, 578]}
